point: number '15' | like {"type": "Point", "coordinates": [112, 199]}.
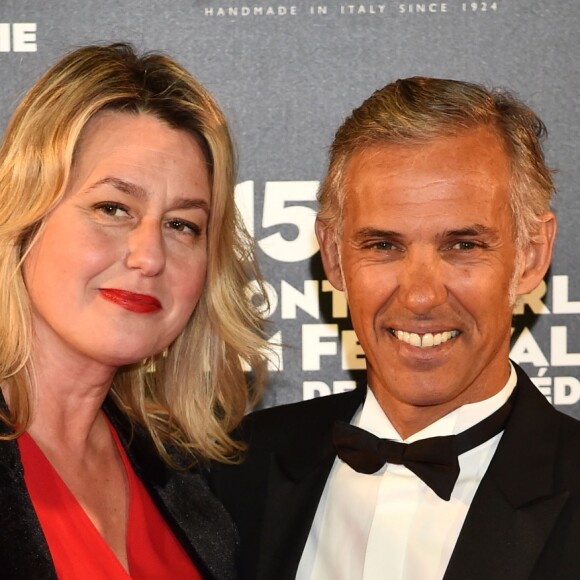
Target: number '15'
{"type": "Point", "coordinates": [285, 203]}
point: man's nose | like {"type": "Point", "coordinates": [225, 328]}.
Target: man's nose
{"type": "Point", "coordinates": [422, 283]}
{"type": "Point", "coordinates": [146, 248]}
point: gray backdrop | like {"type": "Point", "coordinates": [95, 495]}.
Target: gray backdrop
{"type": "Point", "coordinates": [287, 73]}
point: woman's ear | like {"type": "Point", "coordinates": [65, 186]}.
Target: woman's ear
{"type": "Point", "coordinates": [537, 255]}
{"type": "Point", "coordinates": [330, 253]}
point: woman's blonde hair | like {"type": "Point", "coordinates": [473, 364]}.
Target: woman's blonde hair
{"type": "Point", "coordinates": [192, 395]}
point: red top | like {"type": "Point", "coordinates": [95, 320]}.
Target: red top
{"type": "Point", "coordinates": [76, 546]}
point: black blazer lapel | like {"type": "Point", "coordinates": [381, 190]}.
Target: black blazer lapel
{"type": "Point", "coordinates": [24, 553]}
{"type": "Point", "coordinates": [518, 502]}
{"type": "Point", "coordinates": [298, 471]}
{"type": "Point", "coordinates": [195, 516]}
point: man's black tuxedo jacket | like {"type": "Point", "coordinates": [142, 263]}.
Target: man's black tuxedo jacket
{"type": "Point", "coordinates": [183, 498]}
{"type": "Point", "coordinates": [523, 523]}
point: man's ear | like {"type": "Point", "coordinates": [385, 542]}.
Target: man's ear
{"type": "Point", "coordinates": [537, 255]}
{"type": "Point", "coordinates": [329, 253]}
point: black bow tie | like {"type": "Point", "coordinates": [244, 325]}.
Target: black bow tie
{"type": "Point", "coordinates": [434, 460]}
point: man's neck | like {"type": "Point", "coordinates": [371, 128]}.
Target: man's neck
{"type": "Point", "coordinates": [408, 419]}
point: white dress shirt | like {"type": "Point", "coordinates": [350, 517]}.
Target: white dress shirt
{"type": "Point", "coordinates": [390, 524]}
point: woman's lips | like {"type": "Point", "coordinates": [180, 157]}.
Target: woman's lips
{"type": "Point", "coordinates": [141, 303]}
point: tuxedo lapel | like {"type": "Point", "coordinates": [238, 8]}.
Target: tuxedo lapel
{"type": "Point", "coordinates": [290, 507]}
{"type": "Point", "coordinates": [517, 502]}
{"type": "Point", "coordinates": [297, 474]}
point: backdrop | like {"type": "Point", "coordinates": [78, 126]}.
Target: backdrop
{"type": "Point", "coordinates": [287, 73]}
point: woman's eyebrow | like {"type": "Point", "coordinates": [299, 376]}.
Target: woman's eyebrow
{"type": "Point", "coordinates": [139, 192]}
{"type": "Point", "coordinates": [122, 185]}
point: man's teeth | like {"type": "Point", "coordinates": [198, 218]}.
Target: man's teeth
{"type": "Point", "coordinates": [427, 340]}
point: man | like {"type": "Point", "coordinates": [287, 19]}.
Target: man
{"type": "Point", "coordinates": [434, 216]}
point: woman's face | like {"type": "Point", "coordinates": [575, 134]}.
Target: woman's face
{"type": "Point", "coordinates": [120, 264]}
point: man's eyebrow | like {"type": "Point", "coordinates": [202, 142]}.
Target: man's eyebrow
{"type": "Point", "coordinates": [139, 192]}
{"type": "Point", "coordinates": [372, 233]}
{"type": "Point", "coordinates": [472, 230]}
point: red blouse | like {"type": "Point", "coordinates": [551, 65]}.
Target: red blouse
{"type": "Point", "coordinates": [76, 546]}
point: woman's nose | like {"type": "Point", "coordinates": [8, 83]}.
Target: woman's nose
{"type": "Point", "coordinates": [146, 249]}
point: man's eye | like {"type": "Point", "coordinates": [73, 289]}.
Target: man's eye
{"type": "Point", "coordinates": [383, 245]}
{"type": "Point", "coordinates": [465, 245]}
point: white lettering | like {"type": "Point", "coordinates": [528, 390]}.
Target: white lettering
{"type": "Point", "coordinates": [353, 356]}
{"type": "Point", "coordinates": [527, 350]}
{"type": "Point", "coordinates": [422, 8]}
{"type": "Point", "coordinates": [253, 10]}
{"type": "Point", "coordinates": [560, 303]}
{"type": "Point", "coordinates": [18, 37]}
{"type": "Point", "coordinates": [281, 209]}
{"type": "Point", "coordinates": [313, 389]}
{"type": "Point", "coordinates": [292, 298]}
{"type": "Point", "coordinates": [560, 355]}
{"type": "Point", "coordinates": [362, 9]}
{"type": "Point", "coordinates": [24, 36]}
{"type": "Point", "coordinates": [566, 391]}
{"type": "Point", "coordinates": [313, 347]}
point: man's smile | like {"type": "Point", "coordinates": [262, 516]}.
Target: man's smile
{"type": "Point", "coordinates": [427, 340]}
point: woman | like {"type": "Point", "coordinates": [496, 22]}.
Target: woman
{"type": "Point", "coordinates": [126, 327]}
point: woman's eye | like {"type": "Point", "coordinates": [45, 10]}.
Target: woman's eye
{"type": "Point", "coordinates": [184, 226]}
{"type": "Point", "coordinates": [111, 208]}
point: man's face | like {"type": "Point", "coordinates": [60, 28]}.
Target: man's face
{"type": "Point", "coordinates": [426, 258]}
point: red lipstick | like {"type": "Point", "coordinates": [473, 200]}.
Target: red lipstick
{"type": "Point", "coordinates": [140, 303]}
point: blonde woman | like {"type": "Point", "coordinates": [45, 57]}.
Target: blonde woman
{"type": "Point", "coordinates": [125, 325]}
